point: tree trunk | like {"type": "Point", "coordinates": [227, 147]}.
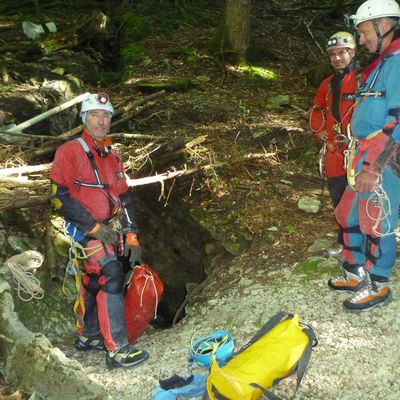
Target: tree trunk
{"type": "Point", "coordinates": [236, 22]}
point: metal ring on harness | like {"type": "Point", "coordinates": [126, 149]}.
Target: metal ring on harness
{"type": "Point", "coordinates": [340, 139]}
{"type": "Point", "coordinates": [351, 173]}
{"type": "Point", "coordinates": [219, 345]}
{"type": "Point", "coordinates": [321, 160]}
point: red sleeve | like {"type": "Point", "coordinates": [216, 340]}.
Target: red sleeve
{"type": "Point", "coordinates": [64, 164]}
{"type": "Point", "coordinates": [63, 174]}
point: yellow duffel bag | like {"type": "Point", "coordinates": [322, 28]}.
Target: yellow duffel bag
{"type": "Point", "coordinates": [282, 347]}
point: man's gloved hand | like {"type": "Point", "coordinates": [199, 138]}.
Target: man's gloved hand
{"type": "Point", "coordinates": [103, 233]}
{"type": "Point", "coordinates": [133, 247]}
{"type": "Point", "coordinates": [366, 182]}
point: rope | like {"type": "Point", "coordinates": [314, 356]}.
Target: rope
{"type": "Point", "coordinates": [313, 110]}
{"type": "Point", "coordinates": [76, 253]}
{"type": "Point", "coordinates": [22, 267]}
{"type": "Point", "coordinates": [149, 277]}
{"type": "Point", "coordinates": [380, 200]}
{"type": "Point", "coordinates": [323, 123]}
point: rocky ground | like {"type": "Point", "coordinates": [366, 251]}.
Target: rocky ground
{"type": "Point", "coordinates": [356, 357]}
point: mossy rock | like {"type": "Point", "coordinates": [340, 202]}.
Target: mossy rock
{"type": "Point", "coordinates": [316, 267]}
{"type": "Point", "coordinates": [135, 26]}
{"type": "Point", "coordinates": [180, 85]}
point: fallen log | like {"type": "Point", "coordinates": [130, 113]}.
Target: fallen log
{"type": "Point", "coordinates": [126, 135]}
{"type": "Point", "coordinates": [175, 85]}
{"type": "Point", "coordinates": [24, 169]}
{"type": "Point", "coordinates": [14, 199]}
{"type": "Point", "coordinates": [133, 114]}
{"type": "Point", "coordinates": [52, 145]}
{"type": "Point", "coordinates": [28, 186]}
{"type": "Point", "coordinates": [48, 114]}
{"type": "Point", "coordinates": [141, 101]}
{"type": "Point", "coordinates": [30, 202]}
{"type": "Point", "coordinates": [24, 135]}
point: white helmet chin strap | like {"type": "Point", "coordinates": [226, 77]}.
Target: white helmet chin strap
{"type": "Point", "coordinates": [381, 37]}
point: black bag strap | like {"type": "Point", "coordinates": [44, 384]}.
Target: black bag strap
{"type": "Point", "coordinates": [266, 393]}
{"type": "Point", "coordinates": [305, 358]}
{"type": "Point", "coordinates": [217, 394]}
{"type": "Point", "coordinates": [303, 362]}
{"type": "Point", "coordinates": [274, 321]}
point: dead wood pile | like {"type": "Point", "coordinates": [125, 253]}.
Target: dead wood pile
{"type": "Point", "coordinates": [24, 180]}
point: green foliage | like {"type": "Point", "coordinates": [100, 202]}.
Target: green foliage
{"type": "Point", "coordinates": [315, 267]}
{"type": "Point", "coordinates": [192, 58]}
{"type": "Point", "coordinates": [131, 52]}
{"type": "Point", "coordinates": [215, 44]}
{"type": "Point", "coordinates": [269, 237]}
{"type": "Point", "coordinates": [309, 157]}
{"type": "Point", "coordinates": [169, 21]}
{"type": "Point", "coordinates": [182, 13]}
{"type": "Point", "coordinates": [257, 72]}
{"type": "Point", "coordinates": [6, 89]}
{"type": "Point", "coordinates": [236, 245]}
{"type": "Point", "coordinates": [290, 228]}
{"type": "Point", "coordinates": [244, 110]}
{"type": "Point", "coordinates": [105, 78]}
{"type": "Point", "coordinates": [54, 42]}
{"type": "Point", "coordinates": [136, 27]}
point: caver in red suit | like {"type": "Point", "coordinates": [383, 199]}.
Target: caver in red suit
{"type": "Point", "coordinates": [331, 112]}
{"type": "Point", "coordinates": [90, 191]}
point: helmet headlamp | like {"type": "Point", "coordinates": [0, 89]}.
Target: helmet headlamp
{"type": "Point", "coordinates": [103, 98]}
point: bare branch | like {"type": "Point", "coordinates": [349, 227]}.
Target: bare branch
{"type": "Point", "coordinates": [312, 36]}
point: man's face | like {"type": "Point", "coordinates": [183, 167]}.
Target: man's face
{"type": "Point", "coordinates": [98, 123]}
{"type": "Point", "coordinates": [340, 57]}
{"type": "Point", "coordinates": [368, 37]}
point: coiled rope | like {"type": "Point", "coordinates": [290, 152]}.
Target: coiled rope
{"type": "Point", "coordinates": [22, 267]}
{"type": "Point", "coordinates": [379, 200]}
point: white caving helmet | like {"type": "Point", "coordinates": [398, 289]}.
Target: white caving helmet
{"type": "Point", "coordinates": [341, 39]}
{"type": "Point", "coordinates": [372, 9]}
{"type": "Point", "coordinates": [99, 101]}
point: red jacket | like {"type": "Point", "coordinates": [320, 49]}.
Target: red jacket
{"type": "Point", "coordinates": [81, 199]}
{"type": "Point", "coordinates": [331, 112]}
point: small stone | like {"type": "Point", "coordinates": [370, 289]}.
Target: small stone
{"type": "Point", "coordinates": [309, 204]}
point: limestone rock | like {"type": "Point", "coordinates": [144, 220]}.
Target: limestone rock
{"type": "Point", "coordinates": [309, 204]}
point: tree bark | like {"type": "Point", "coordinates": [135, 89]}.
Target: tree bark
{"type": "Point", "coordinates": [237, 26]}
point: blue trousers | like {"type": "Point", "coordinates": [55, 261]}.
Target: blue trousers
{"type": "Point", "coordinates": [367, 242]}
